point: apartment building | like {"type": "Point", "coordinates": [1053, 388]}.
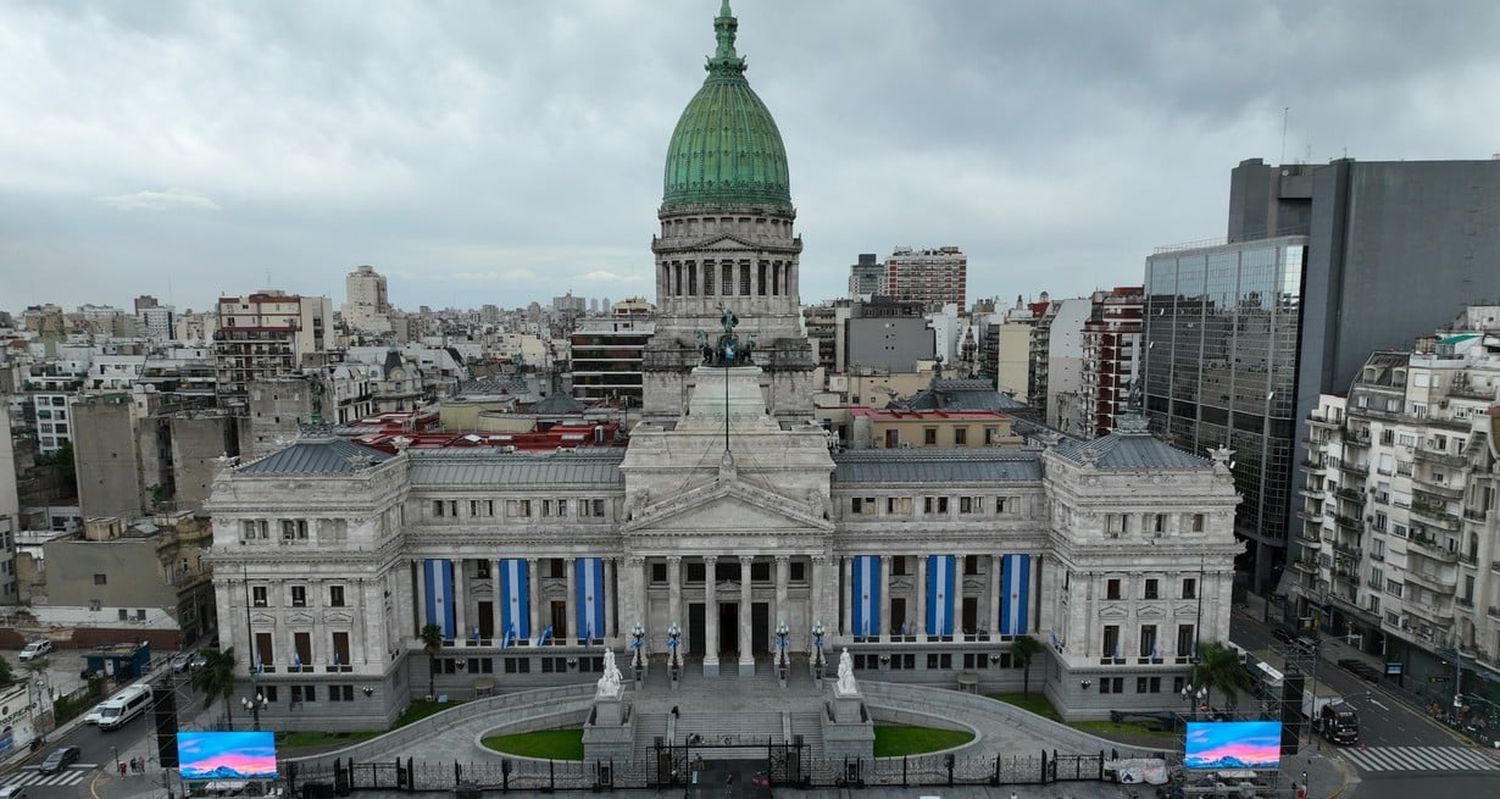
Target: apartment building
{"type": "Point", "coordinates": [264, 335]}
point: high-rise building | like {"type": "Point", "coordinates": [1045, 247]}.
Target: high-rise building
{"type": "Point", "coordinates": [1056, 371]}
{"type": "Point", "coordinates": [1366, 255]}
{"type": "Point", "coordinates": [606, 353]}
{"type": "Point", "coordinates": [1399, 525]}
{"type": "Point", "coordinates": [145, 301]}
{"type": "Point", "coordinates": [264, 335]}
{"type": "Point", "coordinates": [1111, 357]}
{"type": "Point", "coordinates": [367, 307]}
{"type": "Point", "coordinates": [866, 277]}
{"type": "Point", "coordinates": [157, 322]}
{"type": "Point", "coordinates": [934, 277]}
{"type": "Point", "coordinates": [727, 241]}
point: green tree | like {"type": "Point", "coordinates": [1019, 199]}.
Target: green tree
{"type": "Point", "coordinates": [66, 469]}
{"type": "Point", "coordinates": [1022, 650]}
{"type": "Point", "coordinates": [6, 677]}
{"type": "Point", "coordinates": [215, 678]}
{"type": "Point", "coordinates": [432, 643]}
{"type": "Point", "coordinates": [1220, 667]}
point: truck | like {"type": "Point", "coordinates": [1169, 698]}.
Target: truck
{"type": "Point", "coordinates": [1338, 722]}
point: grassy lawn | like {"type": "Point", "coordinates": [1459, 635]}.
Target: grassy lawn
{"type": "Point", "coordinates": [1035, 703]}
{"type": "Point", "coordinates": [898, 741]}
{"type": "Point", "coordinates": [295, 740]}
{"type": "Point", "coordinates": [417, 710]}
{"type": "Point", "coordinates": [1109, 729]}
{"type": "Point", "coordinates": [553, 744]}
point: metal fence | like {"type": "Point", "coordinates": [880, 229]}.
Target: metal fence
{"type": "Point", "coordinates": [784, 764]}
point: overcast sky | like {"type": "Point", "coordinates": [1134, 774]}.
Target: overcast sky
{"type": "Point", "coordinates": [504, 151]}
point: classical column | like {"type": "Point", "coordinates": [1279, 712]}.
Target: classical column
{"type": "Point", "coordinates": [959, 562]}
{"type": "Point", "coordinates": [570, 618]}
{"type": "Point", "coordinates": [533, 598]}
{"type": "Point", "coordinates": [610, 599]}
{"type": "Point", "coordinates": [783, 569]}
{"type": "Point", "coordinates": [421, 610]}
{"type": "Point", "coordinates": [459, 600]}
{"type": "Point", "coordinates": [747, 651]}
{"type": "Point", "coordinates": [995, 594]}
{"type": "Point", "coordinates": [815, 598]}
{"type": "Point", "coordinates": [710, 619]}
{"type": "Point", "coordinates": [885, 599]}
{"type": "Point", "coordinates": [921, 598]}
{"type": "Point", "coordinates": [674, 590]}
{"type": "Point", "coordinates": [846, 597]}
{"type": "Point", "coordinates": [638, 588]}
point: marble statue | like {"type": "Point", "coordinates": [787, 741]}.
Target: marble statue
{"type": "Point", "coordinates": [846, 685]}
{"type": "Point", "coordinates": [609, 682]}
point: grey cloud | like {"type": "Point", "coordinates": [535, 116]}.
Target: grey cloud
{"type": "Point", "coordinates": [503, 152]}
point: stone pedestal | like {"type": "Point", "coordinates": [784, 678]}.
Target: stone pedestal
{"type": "Point", "coordinates": [610, 730]}
{"type": "Point", "coordinates": [850, 735]}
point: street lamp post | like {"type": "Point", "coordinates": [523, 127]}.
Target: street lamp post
{"type": "Point", "coordinates": [254, 706]}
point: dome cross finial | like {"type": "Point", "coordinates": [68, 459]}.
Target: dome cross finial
{"type": "Point", "coordinates": [725, 58]}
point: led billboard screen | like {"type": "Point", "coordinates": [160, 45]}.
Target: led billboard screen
{"type": "Point", "coordinates": [226, 755]}
{"type": "Point", "coordinates": [1232, 745]}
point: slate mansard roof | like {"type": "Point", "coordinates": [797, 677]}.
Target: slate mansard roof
{"type": "Point", "coordinates": [936, 466]}
{"type": "Point", "coordinates": [315, 456]}
{"type": "Point", "coordinates": [487, 467]}
{"type": "Point", "coordinates": [1126, 450]}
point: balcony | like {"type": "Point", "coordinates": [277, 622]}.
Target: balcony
{"type": "Point", "coordinates": [1432, 613]}
{"type": "Point", "coordinates": [1346, 574]}
{"type": "Point", "coordinates": [1314, 465]}
{"type": "Point", "coordinates": [1322, 421]}
{"type": "Point", "coordinates": [1441, 458]}
{"type": "Point", "coordinates": [1440, 490]}
{"type": "Point", "coordinates": [1347, 550]}
{"type": "Point", "coordinates": [1429, 581]}
{"type": "Point", "coordinates": [1305, 565]}
{"type": "Point", "coordinates": [1348, 522]}
{"type": "Point", "coordinates": [1467, 559]}
{"type": "Point", "coordinates": [1361, 469]}
{"type": "Point", "coordinates": [1475, 514]}
{"type": "Point", "coordinates": [1430, 548]}
{"type": "Point", "coordinates": [1349, 604]}
{"type": "Point", "coordinates": [1467, 603]}
{"type": "Point", "coordinates": [1436, 515]}
{"type": "Point", "coordinates": [1314, 494]}
{"type": "Point", "coordinates": [1308, 538]}
{"type": "Point", "coordinates": [1351, 495]}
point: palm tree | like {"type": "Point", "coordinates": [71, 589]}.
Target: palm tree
{"type": "Point", "coordinates": [432, 643]}
{"type": "Point", "coordinates": [1022, 650]}
{"type": "Point", "coordinates": [215, 678]}
{"type": "Point", "coordinates": [1220, 667]}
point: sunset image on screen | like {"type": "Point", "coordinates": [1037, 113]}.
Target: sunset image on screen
{"type": "Point", "coordinates": [1232, 744]}
{"type": "Point", "coordinates": [226, 755]}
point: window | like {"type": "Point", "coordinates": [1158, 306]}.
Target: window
{"type": "Point", "coordinates": [1198, 522]}
{"type": "Point", "coordinates": [250, 529]}
{"type": "Point", "coordinates": [1111, 685]}
{"type": "Point", "coordinates": [341, 693]}
{"type": "Point", "coordinates": [971, 564]}
{"type": "Point", "coordinates": [1185, 642]}
{"type": "Point", "coordinates": [482, 569]}
{"type": "Point", "coordinates": [1151, 588]}
{"type": "Point", "coordinates": [299, 596]}
{"type": "Point", "coordinates": [1393, 588]}
{"type": "Point", "coordinates": [862, 505]}
{"type": "Point", "coordinates": [797, 571]}
{"type": "Point", "coordinates": [960, 436]}
{"type": "Point", "coordinates": [265, 652]}
{"type": "Point", "coordinates": [898, 506]}
{"type": "Point", "coordinates": [258, 596]}
{"type": "Point", "coordinates": [1002, 503]}
{"type": "Point", "coordinates": [659, 573]}
{"type": "Point", "coordinates": [929, 436]}
{"type": "Point", "coordinates": [518, 508]}
{"type": "Point", "coordinates": [124, 614]}
{"type": "Point", "coordinates": [898, 566]}
{"type": "Point", "coordinates": [971, 504]}
{"type": "Point", "coordinates": [302, 650]}
{"type": "Point", "coordinates": [1190, 588]}
{"type": "Point", "coordinates": [1148, 685]}
{"type": "Point", "coordinates": [304, 693]}
{"type": "Point", "coordinates": [1114, 523]}
{"type": "Point", "coordinates": [1112, 588]}
{"type": "Point", "coordinates": [760, 571]}
{"type": "Point", "coordinates": [1111, 642]}
{"type": "Point", "coordinates": [1148, 641]}
{"type": "Point", "coordinates": [294, 530]}
{"type": "Point", "coordinates": [140, 614]}
{"type": "Point", "coordinates": [517, 665]}
{"type": "Point", "coordinates": [100, 579]}
{"type": "Point", "coordinates": [557, 567]}
{"type": "Point", "coordinates": [341, 652]}
{"type": "Point", "coordinates": [695, 571]}
{"type": "Point", "coordinates": [1156, 522]}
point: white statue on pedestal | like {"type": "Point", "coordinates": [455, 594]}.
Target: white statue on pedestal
{"type": "Point", "coordinates": [609, 682]}
{"type": "Point", "coordinates": [846, 685]}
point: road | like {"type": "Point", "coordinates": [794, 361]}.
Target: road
{"type": "Point", "coordinates": [99, 750]}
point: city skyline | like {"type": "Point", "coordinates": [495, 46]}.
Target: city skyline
{"type": "Point", "coordinates": [509, 154]}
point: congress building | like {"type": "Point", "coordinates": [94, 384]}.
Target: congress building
{"type": "Point", "coordinates": [726, 529]}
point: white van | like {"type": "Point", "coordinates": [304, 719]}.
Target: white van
{"type": "Point", "coordinates": [118, 710]}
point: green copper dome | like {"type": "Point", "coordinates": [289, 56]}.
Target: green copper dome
{"type": "Point", "coordinates": [726, 150]}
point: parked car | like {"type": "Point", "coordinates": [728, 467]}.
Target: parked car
{"type": "Point", "coordinates": [13, 792]}
{"type": "Point", "coordinates": [1306, 644]}
{"type": "Point", "coordinates": [199, 661]}
{"type": "Point", "coordinates": [35, 649]}
{"type": "Point", "coordinates": [60, 759]}
{"type": "Point", "coordinates": [183, 661]}
{"type": "Point", "coordinates": [1284, 634]}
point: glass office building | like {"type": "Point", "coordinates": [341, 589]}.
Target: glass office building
{"type": "Point", "coordinates": [1220, 365]}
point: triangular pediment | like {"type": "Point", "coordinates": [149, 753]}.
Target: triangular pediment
{"type": "Point", "coordinates": [1150, 612]}
{"type": "Point", "coordinates": [726, 241]}
{"type": "Point", "coordinates": [1113, 612]}
{"type": "Point", "coordinates": [299, 618]}
{"type": "Point", "coordinates": [338, 617]}
{"type": "Point", "coordinates": [727, 506]}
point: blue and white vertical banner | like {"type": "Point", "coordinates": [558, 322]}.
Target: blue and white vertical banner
{"type": "Point", "coordinates": [865, 596]}
{"type": "Point", "coordinates": [515, 601]}
{"type": "Point", "coordinates": [1015, 594]}
{"type": "Point", "coordinates": [590, 600]}
{"type": "Point", "coordinates": [438, 576]}
{"type": "Point", "coordinates": [940, 594]}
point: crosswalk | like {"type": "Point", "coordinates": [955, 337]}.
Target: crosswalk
{"type": "Point", "coordinates": [1420, 758]}
{"type": "Point", "coordinates": [32, 775]}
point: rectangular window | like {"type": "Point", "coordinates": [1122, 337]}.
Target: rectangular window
{"type": "Point", "coordinates": [898, 566]}
{"type": "Point", "coordinates": [929, 436]}
{"type": "Point", "coordinates": [1111, 642]}
{"type": "Point", "coordinates": [898, 506]}
{"type": "Point", "coordinates": [1112, 588]}
{"type": "Point", "coordinates": [299, 596]}
{"type": "Point", "coordinates": [1190, 588]}
{"type": "Point", "coordinates": [557, 568]}
{"type": "Point", "coordinates": [302, 646]}
{"type": "Point", "coordinates": [258, 596]}
{"type": "Point", "coordinates": [1148, 641]}
{"type": "Point", "coordinates": [341, 651]}
{"type": "Point", "coordinates": [797, 571]}
{"type": "Point", "coordinates": [695, 571]}
{"type": "Point", "coordinates": [1114, 523]}
{"type": "Point", "coordinates": [437, 507]}
{"type": "Point", "coordinates": [265, 652]}
{"type": "Point", "coordinates": [1151, 588]}
{"type": "Point", "coordinates": [1198, 522]}
{"type": "Point", "coordinates": [100, 579]}
{"type": "Point", "coordinates": [659, 574]}
{"type": "Point", "coordinates": [960, 436]}
{"type": "Point", "coordinates": [482, 569]}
